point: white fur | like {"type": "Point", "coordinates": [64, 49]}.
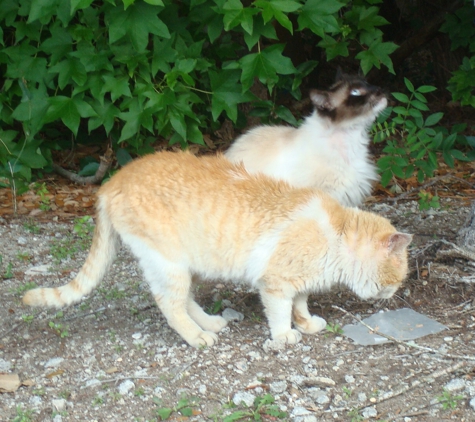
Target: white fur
{"type": "Point", "coordinates": [318, 154]}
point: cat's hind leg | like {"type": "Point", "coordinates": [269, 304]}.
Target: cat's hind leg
{"type": "Point", "coordinates": [278, 310]}
{"type": "Point", "coordinates": [214, 323]}
{"type": "Point", "coordinates": [303, 321]}
{"type": "Point", "coordinates": [170, 284]}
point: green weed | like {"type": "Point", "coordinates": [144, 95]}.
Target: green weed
{"type": "Point", "coordinates": [263, 408]}
{"type": "Point", "coordinates": [334, 328]}
{"type": "Point", "coordinates": [23, 415]}
{"type": "Point", "coordinates": [448, 400]}
{"type": "Point", "coordinates": [23, 288]}
{"type": "Point", "coordinates": [28, 318]}
{"type": "Point", "coordinates": [427, 200]}
{"type": "Point", "coordinates": [184, 407]}
{"type": "Point", "coordinates": [58, 329]}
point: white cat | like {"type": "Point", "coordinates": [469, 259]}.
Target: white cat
{"type": "Point", "coordinates": [329, 151]}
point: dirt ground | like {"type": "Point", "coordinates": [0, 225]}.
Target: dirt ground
{"type": "Point", "coordinates": [112, 356]}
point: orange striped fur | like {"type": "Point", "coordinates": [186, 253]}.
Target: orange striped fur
{"type": "Point", "coordinates": [183, 216]}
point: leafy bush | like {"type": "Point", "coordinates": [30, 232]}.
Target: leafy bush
{"type": "Point", "coordinates": [414, 142]}
{"type": "Point", "coordinates": [123, 72]}
{"type": "Point", "coordinates": [126, 71]}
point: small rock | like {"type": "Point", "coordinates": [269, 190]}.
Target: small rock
{"type": "Point", "coordinates": [232, 315]}
{"type": "Point", "coordinates": [202, 389]}
{"type": "Point", "coordinates": [54, 362]}
{"type": "Point", "coordinates": [241, 365]}
{"type": "Point", "coordinates": [322, 398]}
{"type": "Point", "coordinates": [36, 401]}
{"type": "Point", "coordinates": [448, 339]}
{"type": "Point", "coordinates": [159, 391]}
{"type": "Point", "coordinates": [5, 366]}
{"type": "Point", "coordinates": [362, 397]}
{"type": "Point", "coordinates": [245, 397]}
{"type": "Point", "coordinates": [369, 412]}
{"type": "Point", "coordinates": [125, 387]}
{"type": "Point", "coordinates": [92, 383]}
{"type": "Point", "coordinates": [22, 241]}
{"type": "Point", "coordinates": [278, 387]}
{"type": "Point", "coordinates": [58, 418]}
{"type": "Point", "coordinates": [455, 385]}
{"type": "Point", "coordinates": [136, 336]}
{"type": "Point", "coordinates": [59, 404]}
{"type": "Point", "coordinates": [472, 403]}
{"type": "Point", "coordinates": [350, 379]}
{"type": "Point", "coordinates": [306, 418]}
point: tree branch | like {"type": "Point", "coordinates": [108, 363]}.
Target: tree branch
{"type": "Point", "coordinates": [104, 166]}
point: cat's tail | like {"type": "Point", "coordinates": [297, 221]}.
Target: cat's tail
{"type": "Point", "coordinates": [102, 253]}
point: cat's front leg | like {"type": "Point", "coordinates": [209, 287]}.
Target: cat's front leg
{"type": "Point", "coordinates": [214, 323]}
{"type": "Point", "coordinates": [303, 321]}
{"type": "Point", "coordinates": [278, 310]}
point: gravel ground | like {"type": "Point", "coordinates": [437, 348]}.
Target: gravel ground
{"type": "Point", "coordinates": [113, 357]}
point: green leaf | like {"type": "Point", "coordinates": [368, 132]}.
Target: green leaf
{"type": "Point", "coordinates": [433, 119]}
{"type": "Point", "coordinates": [69, 69]}
{"type": "Point", "coordinates": [369, 18]}
{"type": "Point", "coordinates": [177, 120]}
{"type": "Point", "coordinates": [386, 177]}
{"type": "Point", "coordinates": [42, 10]}
{"type": "Point", "coordinates": [235, 416]}
{"type": "Point", "coordinates": [409, 85]}
{"type": "Point", "coordinates": [227, 93]}
{"type": "Point", "coordinates": [79, 4]}
{"type": "Point", "coordinates": [318, 16]}
{"type": "Point", "coordinates": [403, 98]}
{"type": "Point", "coordinates": [137, 22]}
{"type": "Point", "coordinates": [236, 14]}
{"type": "Point", "coordinates": [186, 411]}
{"type": "Point", "coordinates": [155, 2]}
{"type": "Point", "coordinates": [117, 86]}
{"type": "Point", "coordinates": [106, 115]}
{"type": "Point", "coordinates": [69, 110]}
{"type": "Point", "coordinates": [164, 413]}
{"type": "Point", "coordinates": [333, 47]}
{"type": "Point", "coordinates": [265, 66]}
{"type": "Point", "coordinates": [426, 88]}
{"type": "Point", "coordinates": [277, 9]}
{"type": "Point", "coordinates": [419, 105]}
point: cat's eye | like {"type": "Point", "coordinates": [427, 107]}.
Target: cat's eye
{"type": "Point", "coordinates": [355, 92]}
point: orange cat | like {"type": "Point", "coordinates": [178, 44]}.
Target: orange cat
{"type": "Point", "coordinates": [182, 215]}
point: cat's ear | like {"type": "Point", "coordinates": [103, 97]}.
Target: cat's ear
{"type": "Point", "coordinates": [397, 242]}
{"type": "Point", "coordinates": [321, 100]}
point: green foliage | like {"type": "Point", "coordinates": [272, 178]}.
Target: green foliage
{"type": "Point", "coordinates": [414, 141]}
{"type": "Point", "coordinates": [215, 307]}
{"type": "Point", "coordinates": [126, 72]}
{"type": "Point", "coordinates": [427, 200]}
{"type": "Point", "coordinates": [334, 328]}
{"type": "Point", "coordinates": [263, 407]}
{"type": "Point", "coordinates": [58, 329]}
{"type": "Point", "coordinates": [72, 243]}
{"type": "Point", "coordinates": [448, 400]}
{"type": "Point", "coordinates": [459, 27]}
{"type": "Point", "coordinates": [23, 415]}
{"type": "Point", "coordinates": [184, 407]}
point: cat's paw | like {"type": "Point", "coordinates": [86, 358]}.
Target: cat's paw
{"type": "Point", "coordinates": [204, 339]}
{"type": "Point", "coordinates": [291, 337]}
{"type": "Point", "coordinates": [214, 323]}
{"type": "Point", "coordinates": [312, 325]}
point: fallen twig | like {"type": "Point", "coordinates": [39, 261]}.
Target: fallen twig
{"type": "Point", "coordinates": [405, 343]}
{"type": "Point", "coordinates": [85, 315]}
{"type": "Point", "coordinates": [129, 378]}
{"type": "Point", "coordinates": [9, 331]}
